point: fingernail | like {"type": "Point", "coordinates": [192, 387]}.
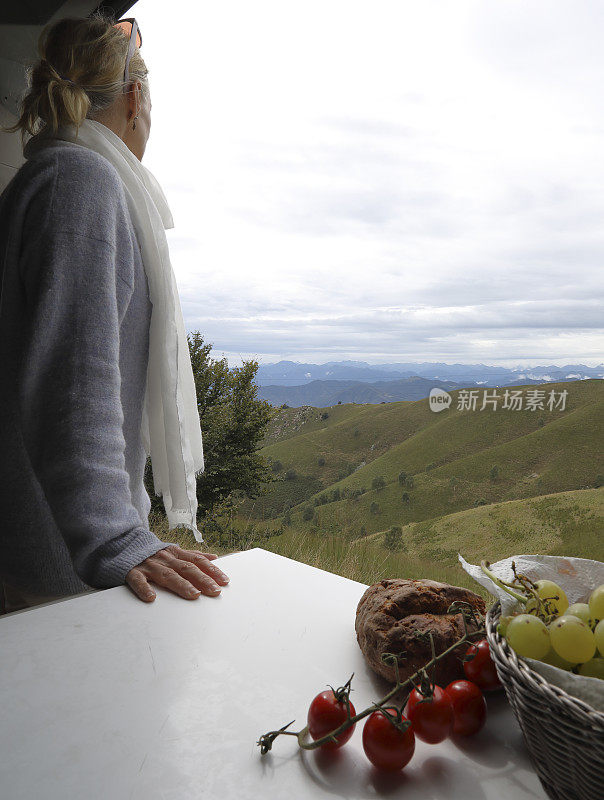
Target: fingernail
{"type": "Point", "coordinates": [194, 593]}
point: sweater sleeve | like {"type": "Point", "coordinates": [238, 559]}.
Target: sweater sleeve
{"type": "Point", "coordinates": [69, 389]}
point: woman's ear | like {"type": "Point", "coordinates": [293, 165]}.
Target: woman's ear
{"type": "Point", "coordinates": [134, 99]}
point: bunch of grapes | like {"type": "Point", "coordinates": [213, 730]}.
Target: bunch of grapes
{"type": "Point", "coordinates": [570, 637]}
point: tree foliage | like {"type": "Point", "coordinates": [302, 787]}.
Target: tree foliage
{"type": "Point", "coordinates": [393, 539]}
{"type": "Point", "coordinates": [233, 423]}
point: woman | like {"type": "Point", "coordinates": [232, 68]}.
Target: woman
{"type": "Point", "coordinates": [97, 372]}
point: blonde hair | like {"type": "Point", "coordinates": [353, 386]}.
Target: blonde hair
{"type": "Point", "coordinates": [80, 72]}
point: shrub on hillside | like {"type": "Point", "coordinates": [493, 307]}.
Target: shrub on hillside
{"type": "Point", "coordinates": [308, 513]}
{"type": "Point", "coordinates": [321, 461]}
{"type": "Point", "coordinates": [356, 433]}
{"type": "Point", "coordinates": [325, 415]}
{"type": "Point", "coordinates": [393, 539]}
{"type": "Point", "coordinates": [335, 495]}
{"type": "Point", "coordinates": [374, 508]}
{"type": "Point", "coordinates": [276, 466]}
{"type": "Point", "coordinates": [410, 483]}
{"type": "Point", "coordinates": [378, 482]}
{"type": "Point", "coordinates": [402, 477]}
{"type": "Point", "coordinates": [599, 481]}
{"type": "Point", "coordinates": [291, 475]}
{"type": "Point", "coordinates": [481, 502]}
{"type": "Point", "coordinates": [405, 497]}
{"type": "Point", "coordinates": [494, 473]}
{"type": "Point", "coordinates": [430, 466]}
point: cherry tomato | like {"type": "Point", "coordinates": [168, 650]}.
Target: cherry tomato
{"type": "Point", "coordinates": [325, 715]}
{"type": "Point", "coordinates": [479, 667]}
{"type": "Point", "coordinates": [384, 745]}
{"type": "Point", "coordinates": [469, 707]}
{"type": "Point", "coordinates": [431, 718]}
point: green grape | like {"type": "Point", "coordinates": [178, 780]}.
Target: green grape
{"type": "Point", "coordinates": [557, 661]}
{"type": "Point", "coordinates": [548, 590]}
{"type": "Point", "coordinates": [596, 603]}
{"type": "Point", "coordinates": [593, 668]}
{"type": "Point", "coordinates": [580, 610]}
{"type": "Point", "coordinates": [572, 639]}
{"type": "Point", "coordinates": [528, 636]}
{"type": "Point", "coordinates": [599, 636]}
{"type": "Point", "coordinates": [503, 625]}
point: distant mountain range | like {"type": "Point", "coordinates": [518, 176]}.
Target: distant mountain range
{"type": "Point", "coordinates": [327, 384]}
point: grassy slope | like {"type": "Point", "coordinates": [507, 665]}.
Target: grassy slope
{"type": "Point", "coordinates": [530, 506]}
{"type": "Point", "coordinates": [566, 523]}
{"type": "Point", "coordinates": [563, 455]}
{"type": "Point", "coordinates": [532, 460]}
{"type": "Point", "coordinates": [569, 523]}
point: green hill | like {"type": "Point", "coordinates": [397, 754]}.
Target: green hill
{"type": "Point", "coordinates": [556, 524]}
{"type": "Point", "coordinates": [450, 456]}
{"type": "Point", "coordinates": [568, 523]}
{"type": "Point", "coordinates": [487, 484]}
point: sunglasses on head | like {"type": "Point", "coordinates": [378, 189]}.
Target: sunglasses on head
{"type": "Point", "coordinates": [130, 27]}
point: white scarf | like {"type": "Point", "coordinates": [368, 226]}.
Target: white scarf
{"type": "Point", "coordinates": [170, 429]}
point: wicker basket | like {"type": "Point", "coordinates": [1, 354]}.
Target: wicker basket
{"type": "Point", "coordinates": [564, 735]}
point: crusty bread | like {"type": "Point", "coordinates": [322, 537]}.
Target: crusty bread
{"type": "Point", "coordinates": [390, 614]}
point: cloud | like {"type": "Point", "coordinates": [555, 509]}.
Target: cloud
{"type": "Point", "coordinates": [412, 181]}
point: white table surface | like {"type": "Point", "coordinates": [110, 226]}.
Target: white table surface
{"type": "Point", "coordinates": [104, 696]}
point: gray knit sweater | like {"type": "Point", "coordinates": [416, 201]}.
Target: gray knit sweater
{"type": "Point", "coordinates": [74, 346]}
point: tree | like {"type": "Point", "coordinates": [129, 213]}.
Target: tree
{"type": "Point", "coordinates": [308, 513]}
{"type": "Point", "coordinates": [393, 539]}
{"type": "Point", "coordinates": [494, 473]}
{"type": "Point", "coordinates": [402, 477]}
{"type": "Point", "coordinates": [410, 483]}
{"type": "Point", "coordinates": [374, 508]}
{"type": "Point", "coordinates": [378, 482]}
{"type": "Point", "coordinates": [325, 415]}
{"type": "Point", "coordinates": [276, 466]}
{"type": "Point", "coordinates": [291, 475]}
{"type": "Point", "coordinates": [405, 497]}
{"type": "Point", "coordinates": [321, 461]}
{"type": "Point", "coordinates": [233, 423]}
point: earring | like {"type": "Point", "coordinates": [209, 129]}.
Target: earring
{"type": "Point", "coordinates": [134, 123]}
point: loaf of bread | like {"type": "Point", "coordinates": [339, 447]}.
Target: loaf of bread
{"type": "Point", "coordinates": [391, 613]}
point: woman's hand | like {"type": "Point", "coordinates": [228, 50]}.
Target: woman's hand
{"type": "Point", "coordinates": [187, 573]}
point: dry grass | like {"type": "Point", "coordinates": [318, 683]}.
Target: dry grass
{"type": "Point", "coordinates": [357, 561]}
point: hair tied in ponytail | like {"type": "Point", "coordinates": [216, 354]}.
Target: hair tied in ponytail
{"type": "Point", "coordinates": [94, 51]}
{"type": "Point", "coordinates": [57, 73]}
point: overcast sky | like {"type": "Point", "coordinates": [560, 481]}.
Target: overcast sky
{"type": "Point", "coordinates": [383, 180]}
